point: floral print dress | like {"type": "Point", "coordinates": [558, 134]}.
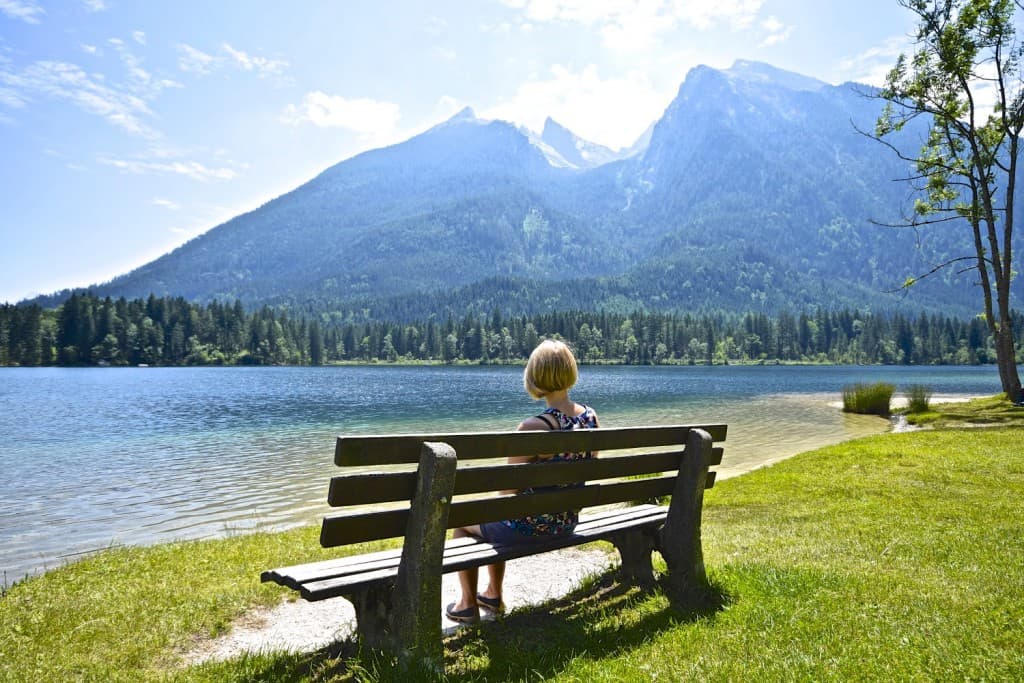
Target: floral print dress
{"type": "Point", "coordinates": [552, 523]}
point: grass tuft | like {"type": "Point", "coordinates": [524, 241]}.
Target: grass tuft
{"type": "Point", "coordinates": [919, 398]}
{"type": "Point", "coordinates": [868, 399]}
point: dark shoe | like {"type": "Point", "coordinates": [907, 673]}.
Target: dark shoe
{"type": "Point", "coordinates": [494, 605]}
{"type": "Point", "coordinates": [470, 615]}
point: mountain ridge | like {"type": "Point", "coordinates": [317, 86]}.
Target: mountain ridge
{"type": "Point", "coordinates": [753, 191]}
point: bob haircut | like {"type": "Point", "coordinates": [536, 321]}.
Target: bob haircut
{"type": "Point", "coordinates": [551, 367]}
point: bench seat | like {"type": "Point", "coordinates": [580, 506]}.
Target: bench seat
{"type": "Point", "coordinates": [338, 577]}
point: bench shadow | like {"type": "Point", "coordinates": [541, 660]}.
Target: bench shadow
{"type": "Point", "coordinates": [560, 630]}
{"type": "Point", "coordinates": [531, 642]}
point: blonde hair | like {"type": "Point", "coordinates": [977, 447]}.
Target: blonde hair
{"type": "Point", "coordinates": [551, 367]}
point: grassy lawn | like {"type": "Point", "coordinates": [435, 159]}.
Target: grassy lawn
{"type": "Point", "coordinates": [897, 557]}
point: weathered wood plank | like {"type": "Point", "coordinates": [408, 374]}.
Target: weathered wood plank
{"type": "Point", "coordinates": [404, 448]}
{"type": "Point", "coordinates": [479, 553]}
{"type": "Point", "coordinates": [385, 487]}
{"type": "Point", "coordinates": [369, 526]}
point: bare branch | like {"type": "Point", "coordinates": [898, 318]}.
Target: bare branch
{"type": "Point", "coordinates": [911, 281]}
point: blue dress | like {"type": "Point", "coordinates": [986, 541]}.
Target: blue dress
{"type": "Point", "coordinates": [553, 523]}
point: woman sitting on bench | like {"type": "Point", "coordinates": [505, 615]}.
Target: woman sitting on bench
{"type": "Point", "coordinates": [550, 373]}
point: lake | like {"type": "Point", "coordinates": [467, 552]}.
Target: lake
{"type": "Point", "coordinates": [96, 457]}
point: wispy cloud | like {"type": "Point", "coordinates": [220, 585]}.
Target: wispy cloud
{"type": "Point", "coordinates": [190, 169]}
{"type": "Point", "coordinates": [11, 98]}
{"type": "Point", "coordinates": [28, 11]}
{"type": "Point", "coordinates": [139, 37]}
{"type": "Point", "coordinates": [776, 31]}
{"type": "Point", "coordinates": [634, 25]}
{"type": "Point", "coordinates": [445, 54]}
{"type": "Point", "coordinates": [872, 65]}
{"type": "Point", "coordinates": [195, 61]}
{"type": "Point", "coordinates": [166, 203]}
{"type": "Point", "coordinates": [361, 115]}
{"type": "Point", "coordinates": [95, 5]}
{"type": "Point", "coordinates": [261, 65]}
{"type": "Point", "coordinates": [88, 92]}
{"type": "Point", "coordinates": [140, 81]}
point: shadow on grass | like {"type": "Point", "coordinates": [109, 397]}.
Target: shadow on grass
{"type": "Point", "coordinates": [600, 619]}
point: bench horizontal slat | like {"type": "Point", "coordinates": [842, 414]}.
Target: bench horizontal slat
{"type": "Point", "coordinates": [384, 487]}
{"type": "Point", "coordinates": [370, 526]}
{"type": "Point", "coordinates": [405, 448]}
{"type": "Point", "coordinates": [471, 553]}
{"type": "Point", "coordinates": [352, 564]}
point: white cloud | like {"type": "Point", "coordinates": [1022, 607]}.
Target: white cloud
{"type": "Point", "coordinates": [445, 54]}
{"type": "Point", "coordinates": [90, 49]}
{"type": "Point", "coordinates": [95, 5]}
{"type": "Point", "coordinates": [777, 32]}
{"type": "Point", "coordinates": [195, 61]}
{"type": "Point", "coordinates": [705, 14]}
{"type": "Point", "coordinates": [362, 115]}
{"type": "Point", "coordinates": [11, 98]}
{"type": "Point", "coordinates": [90, 93]}
{"type": "Point", "coordinates": [140, 82]}
{"type": "Point", "coordinates": [262, 65]}
{"type": "Point", "coordinates": [166, 203]}
{"type": "Point", "coordinates": [613, 112]}
{"type": "Point", "coordinates": [139, 37]}
{"type": "Point", "coordinates": [436, 25]}
{"type": "Point", "coordinates": [190, 169]}
{"type": "Point", "coordinates": [873, 65]}
{"type": "Point", "coordinates": [635, 25]}
{"type": "Point", "coordinates": [26, 10]}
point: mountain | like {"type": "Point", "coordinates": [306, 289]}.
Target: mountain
{"type": "Point", "coordinates": [753, 191]}
{"type": "Point", "coordinates": [575, 150]}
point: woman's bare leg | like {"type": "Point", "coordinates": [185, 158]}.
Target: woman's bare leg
{"type": "Point", "coordinates": [495, 579]}
{"type": "Point", "coordinates": [468, 577]}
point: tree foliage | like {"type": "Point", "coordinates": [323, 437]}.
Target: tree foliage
{"type": "Point", "coordinates": [964, 78]}
{"type": "Point", "coordinates": [87, 330]}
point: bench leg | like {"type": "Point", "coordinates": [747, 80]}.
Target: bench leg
{"type": "Point", "coordinates": [635, 547]}
{"type": "Point", "coordinates": [373, 615]}
{"type": "Point", "coordinates": [680, 542]}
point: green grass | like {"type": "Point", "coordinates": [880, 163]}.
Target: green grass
{"type": "Point", "coordinates": [897, 557]}
{"type": "Point", "coordinates": [988, 411]}
{"type": "Point", "coordinates": [868, 399]}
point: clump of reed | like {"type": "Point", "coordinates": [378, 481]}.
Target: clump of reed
{"type": "Point", "coordinates": [919, 398]}
{"type": "Point", "coordinates": [868, 399]}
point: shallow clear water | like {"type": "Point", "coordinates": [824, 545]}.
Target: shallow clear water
{"type": "Point", "coordinates": [96, 457]}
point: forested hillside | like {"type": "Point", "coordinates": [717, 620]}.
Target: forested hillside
{"type": "Point", "coordinates": [91, 331]}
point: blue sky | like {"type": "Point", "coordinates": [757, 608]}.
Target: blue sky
{"type": "Point", "coordinates": [127, 128]}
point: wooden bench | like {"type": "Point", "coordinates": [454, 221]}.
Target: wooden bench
{"type": "Point", "coordinates": [397, 593]}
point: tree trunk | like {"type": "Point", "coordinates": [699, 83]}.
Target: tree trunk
{"type": "Point", "coordinates": [1005, 358]}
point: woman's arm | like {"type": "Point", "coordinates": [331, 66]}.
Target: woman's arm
{"type": "Point", "coordinates": [530, 424]}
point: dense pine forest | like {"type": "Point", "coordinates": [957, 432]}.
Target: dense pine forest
{"type": "Point", "coordinates": [87, 330]}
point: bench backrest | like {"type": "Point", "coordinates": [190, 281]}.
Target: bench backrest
{"type": "Point", "coordinates": [647, 471]}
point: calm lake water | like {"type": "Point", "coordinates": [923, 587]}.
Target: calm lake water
{"type": "Point", "coordinates": [91, 458]}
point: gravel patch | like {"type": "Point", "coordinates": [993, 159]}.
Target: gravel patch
{"type": "Point", "coordinates": [300, 626]}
